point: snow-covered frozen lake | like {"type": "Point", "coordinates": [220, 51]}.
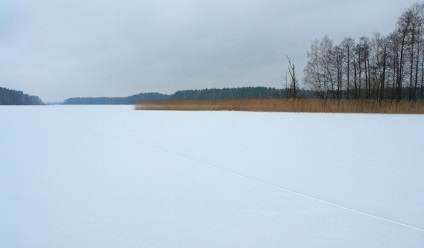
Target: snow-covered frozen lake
{"type": "Point", "coordinates": [110, 176]}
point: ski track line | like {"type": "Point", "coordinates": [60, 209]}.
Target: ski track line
{"type": "Point", "coordinates": [257, 181]}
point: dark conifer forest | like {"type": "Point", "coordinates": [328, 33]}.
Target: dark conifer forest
{"type": "Point", "coordinates": [13, 97]}
{"type": "Point", "coordinates": [203, 94]}
{"type": "Point", "coordinates": [116, 100]}
{"type": "Point", "coordinates": [227, 93]}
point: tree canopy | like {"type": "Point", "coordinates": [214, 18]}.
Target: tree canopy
{"type": "Point", "coordinates": [13, 97]}
{"type": "Point", "coordinates": [378, 67]}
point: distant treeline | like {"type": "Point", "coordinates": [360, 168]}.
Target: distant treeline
{"type": "Point", "coordinates": [203, 94]}
{"type": "Point", "coordinates": [116, 100]}
{"type": "Point", "coordinates": [228, 93]}
{"type": "Point", "coordinates": [13, 97]}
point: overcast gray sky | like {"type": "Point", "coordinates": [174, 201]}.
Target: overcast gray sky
{"type": "Point", "coordinates": [58, 49]}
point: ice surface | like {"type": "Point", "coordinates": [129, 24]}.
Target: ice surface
{"type": "Point", "coordinates": [110, 176]}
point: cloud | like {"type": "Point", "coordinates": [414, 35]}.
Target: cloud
{"type": "Point", "coordinates": [59, 49]}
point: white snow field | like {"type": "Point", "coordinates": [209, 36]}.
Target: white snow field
{"type": "Point", "coordinates": [111, 176]}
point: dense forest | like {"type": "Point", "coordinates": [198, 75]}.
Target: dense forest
{"type": "Point", "coordinates": [378, 67]}
{"type": "Point", "coordinates": [203, 94]}
{"type": "Point", "coordinates": [217, 94]}
{"type": "Point", "coordinates": [13, 97]}
{"type": "Point", "coordinates": [116, 100]}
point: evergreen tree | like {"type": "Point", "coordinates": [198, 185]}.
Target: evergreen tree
{"type": "Point", "coordinates": [13, 97]}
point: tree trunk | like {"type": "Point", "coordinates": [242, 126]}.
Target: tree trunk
{"type": "Point", "coordinates": [383, 77]}
{"type": "Point", "coordinates": [355, 86]}
{"type": "Point", "coordinates": [366, 79]}
{"type": "Point", "coordinates": [411, 69]}
{"type": "Point", "coordinates": [422, 78]}
{"type": "Point", "coordinates": [400, 72]}
{"type": "Point", "coordinates": [394, 83]}
{"type": "Point", "coordinates": [416, 72]}
{"type": "Point", "coordinates": [348, 72]}
{"type": "Point", "coordinates": [359, 76]}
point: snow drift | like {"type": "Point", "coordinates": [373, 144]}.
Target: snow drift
{"type": "Point", "coordinates": [109, 176]}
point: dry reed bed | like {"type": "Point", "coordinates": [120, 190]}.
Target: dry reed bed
{"type": "Point", "coordinates": [287, 105]}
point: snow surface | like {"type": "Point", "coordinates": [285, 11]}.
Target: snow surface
{"type": "Point", "coordinates": [110, 176]}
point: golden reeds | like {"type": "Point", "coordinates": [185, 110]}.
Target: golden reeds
{"type": "Point", "coordinates": [287, 105]}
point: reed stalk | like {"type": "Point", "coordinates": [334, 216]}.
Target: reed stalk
{"type": "Point", "coordinates": [287, 105]}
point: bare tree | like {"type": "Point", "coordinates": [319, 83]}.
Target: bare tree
{"type": "Point", "coordinates": [339, 58]}
{"type": "Point", "coordinates": [313, 72]}
{"type": "Point", "coordinates": [364, 49]}
{"type": "Point", "coordinates": [318, 72]}
{"type": "Point", "coordinates": [348, 44]}
{"type": "Point", "coordinates": [381, 67]}
{"type": "Point", "coordinates": [358, 70]}
{"type": "Point", "coordinates": [327, 50]}
{"type": "Point", "coordinates": [403, 25]}
{"type": "Point", "coordinates": [422, 78]}
{"type": "Point", "coordinates": [383, 64]}
{"type": "Point", "coordinates": [393, 63]}
{"type": "Point", "coordinates": [416, 33]}
{"type": "Point", "coordinates": [293, 78]}
{"type": "Point", "coordinates": [377, 66]}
